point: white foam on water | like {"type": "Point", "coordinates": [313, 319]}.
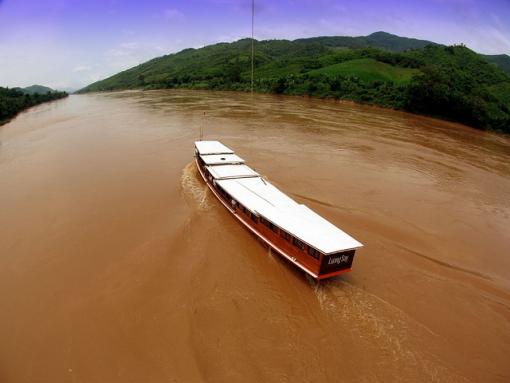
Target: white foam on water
{"type": "Point", "coordinates": [194, 189]}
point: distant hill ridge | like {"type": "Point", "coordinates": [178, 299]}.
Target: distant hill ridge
{"type": "Point", "coordinates": [36, 89]}
{"type": "Point", "coordinates": [382, 40]}
{"type": "Point", "coordinates": [383, 69]}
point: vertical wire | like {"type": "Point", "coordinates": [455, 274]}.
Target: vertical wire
{"type": "Point", "coordinates": [252, 40]}
{"type": "Point", "coordinates": [202, 128]}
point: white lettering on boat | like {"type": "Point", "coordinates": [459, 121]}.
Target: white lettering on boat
{"type": "Point", "coordinates": [338, 260]}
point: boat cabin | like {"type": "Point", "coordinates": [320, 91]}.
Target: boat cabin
{"type": "Point", "coordinates": [231, 172]}
{"type": "Point", "coordinates": [221, 159]}
{"type": "Point", "coordinates": [211, 147]}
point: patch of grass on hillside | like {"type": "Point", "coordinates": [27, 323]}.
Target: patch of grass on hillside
{"type": "Point", "coordinates": [369, 70]}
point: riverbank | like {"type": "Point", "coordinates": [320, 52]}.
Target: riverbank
{"type": "Point", "coordinates": [452, 82]}
{"type": "Point", "coordinates": [14, 101]}
{"type": "Point", "coordinates": [411, 98]}
{"type": "Point", "coordinates": [328, 99]}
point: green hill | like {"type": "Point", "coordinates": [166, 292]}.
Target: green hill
{"type": "Point", "coordinates": [382, 40]}
{"type": "Point", "coordinates": [36, 89]}
{"type": "Point", "coordinates": [391, 42]}
{"type": "Point", "coordinates": [415, 75]}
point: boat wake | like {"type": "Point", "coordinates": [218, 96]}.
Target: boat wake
{"type": "Point", "coordinates": [194, 190]}
{"type": "Point", "coordinates": [385, 329]}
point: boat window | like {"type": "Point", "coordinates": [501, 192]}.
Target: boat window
{"type": "Point", "coordinates": [285, 235]}
{"type": "Point", "coordinates": [254, 217]}
{"type": "Point", "coordinates": [224, 193]}
{"type": "Point", "coordinates": [269, 224]}
{"type": "Point", "coordinates": [314, 253]}
{"type": "Point", "coordinates": [265, 222]}
{"type": "Point", "coordinates": [296, 242]}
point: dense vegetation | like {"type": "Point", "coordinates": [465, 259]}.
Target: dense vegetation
{"type": "Point", "coordinates": [415, 75]}
{"type": "Point", "coordinates": [501, 61]}
{"type": "Point", "coordinates": [13, 101]}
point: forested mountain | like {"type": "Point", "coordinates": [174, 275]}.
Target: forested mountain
{"type": "Point", "coordinates": [33, 89]}
{"type": "Point", "coordinates": [382, 40]}
{"type": "Point", "coordinates": [415, 75]}
{"type": "Point", "coordinates": [13, 101]}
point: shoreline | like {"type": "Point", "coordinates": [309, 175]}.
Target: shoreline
{"type": "Point", "coordinates": [6, 121]}
{"type": "Point", "coordinates": [497, 133]}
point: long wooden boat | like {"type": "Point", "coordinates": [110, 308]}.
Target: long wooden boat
{"type": "Point", "coordinates": [293, 230]}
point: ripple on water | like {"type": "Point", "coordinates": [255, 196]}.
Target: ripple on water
{"type": "Point", "coordinates": [385, 329]}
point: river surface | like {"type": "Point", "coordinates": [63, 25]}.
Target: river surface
{"type": "Point", "coordinates": [118, 265]}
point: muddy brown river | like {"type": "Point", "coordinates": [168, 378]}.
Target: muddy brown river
{"type": "Point", "coordinates": [118, 265]}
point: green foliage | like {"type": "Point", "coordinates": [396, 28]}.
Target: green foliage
{"type": "Point", "coordinates": [501, 61]}
{"type": "Point", "coordinates": [502, 92]}
{"type": "Point", "coordinates": [415, 75]}
{"type": "Point", "coordinates": [13, 101]}
{"type": "Point", "coordinates": [460, 85]}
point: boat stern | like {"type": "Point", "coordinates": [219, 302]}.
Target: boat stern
{"type": "Point", "coordinates": [336, 264]}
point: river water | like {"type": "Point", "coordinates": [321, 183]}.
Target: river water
{"type": "Point", "coordinates": [118, 265]}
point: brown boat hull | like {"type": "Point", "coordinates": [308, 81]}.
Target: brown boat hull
{"type": "Point", "coordinates": [283, 247]}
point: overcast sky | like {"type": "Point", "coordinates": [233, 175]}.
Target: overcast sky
{"type": "Point", "coordinates": [71, 43]}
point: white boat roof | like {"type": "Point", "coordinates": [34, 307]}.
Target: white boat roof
{"type": "Point", "coordinates": [220, 159]}
{"type": "Point", "coordinates": [264, 199]}
{"type": "Point", "coordinates": [212, 147]}
{"type": "Point", "coordinates": [255, 193]}
{"type": "Point", "coordinates": [220, 172]}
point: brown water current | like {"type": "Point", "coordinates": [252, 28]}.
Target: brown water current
{"type": "Point", "coordinates": [118, 265]}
